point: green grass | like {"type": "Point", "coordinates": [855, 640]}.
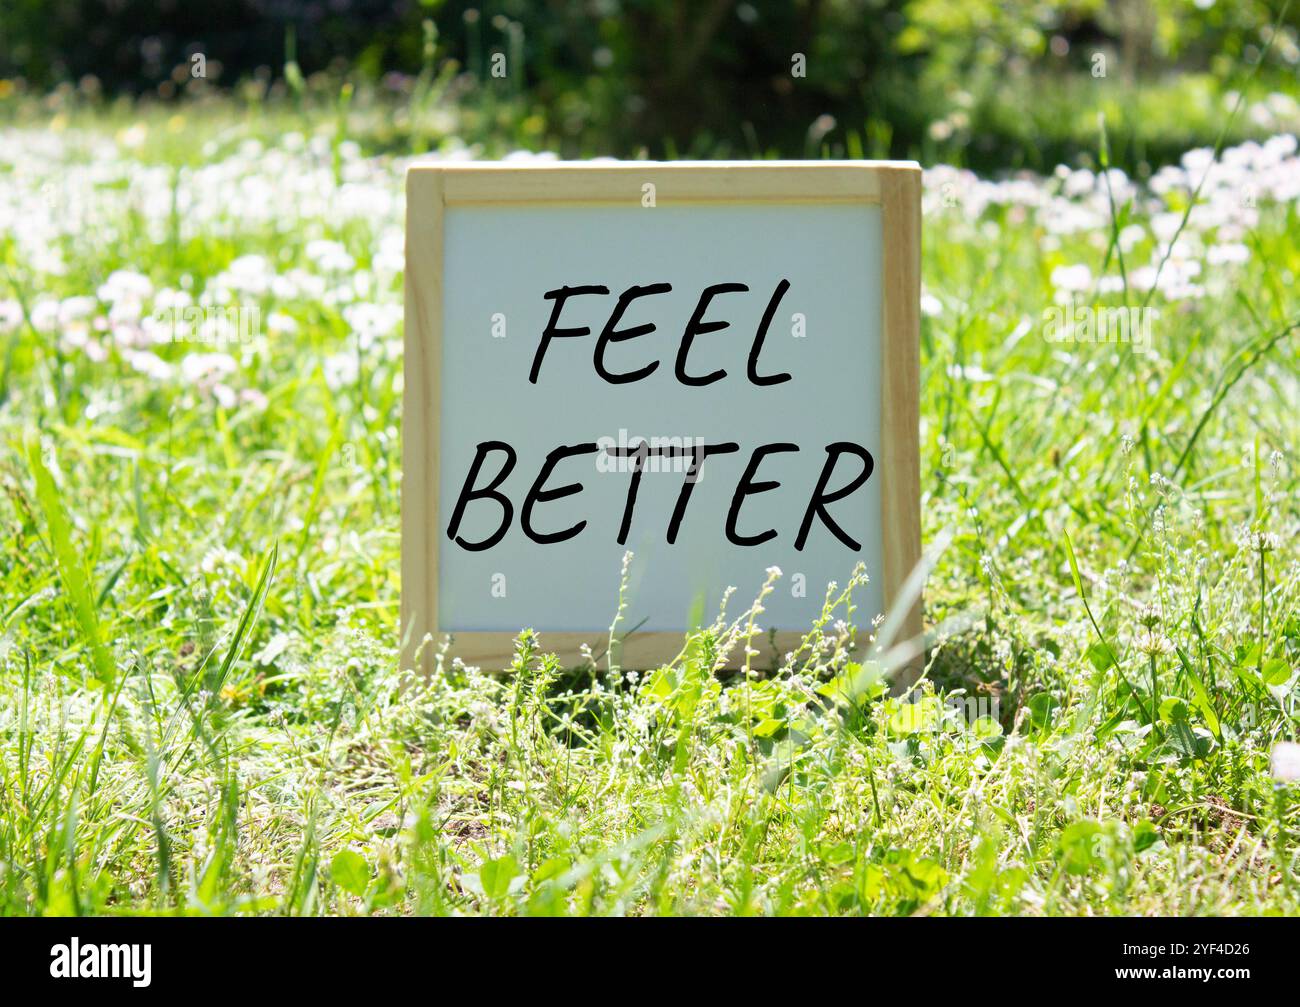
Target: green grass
{"type": "Point", "coordinates": [200, 705]}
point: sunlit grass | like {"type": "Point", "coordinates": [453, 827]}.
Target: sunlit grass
{"type": "Point", "coordinates": [200, 705]}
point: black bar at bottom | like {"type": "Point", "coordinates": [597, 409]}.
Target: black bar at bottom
{"type": "Point", "coordinates": [370, 956]}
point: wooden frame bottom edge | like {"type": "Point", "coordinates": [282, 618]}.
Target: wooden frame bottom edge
{"type": "Point", "coordinates": [495, 651]}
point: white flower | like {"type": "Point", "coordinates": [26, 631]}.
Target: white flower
{"type": "Point", "coordinates": [1234, 253]}
{"type": "Point", "coordinates": [1079, 183]}
{"type": "Point", "coordinates": [329, 256]}
{"type": "Point", "coordinates": [149, 364]}
{"type": "Point", "coordinates": [340, 369]}
{"type": "Point", "coordinates": [125, 285]}
{"type": "Point", "coordinates": [206, 369]}
{"type": "Point", "coordinates": [74, 309]}
{"type": "Point", "coordinates": [281, 324]}
{"type": "Point", "coordinates": [217, 557]}
{"type": "Point", "coordinates": [11, 315]}
{"type": "Point", "coordinates": [225, 396]}
{"type": "Point", "coordinates": [254, 398]}
{"type": "Point", "coordinates": [372, 321]}
{"type": "Point", "coordinates": [45, 314]}
{"type": "Point", "coordinates": [1072, 279]}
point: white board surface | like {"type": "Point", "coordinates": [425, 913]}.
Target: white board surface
{"type": "Point", "coordinates": [499, 261]}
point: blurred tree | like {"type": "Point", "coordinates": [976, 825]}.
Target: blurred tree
{"type": "Point", "coordinates": [673, 76]}
{"type": "Point", "coordinates": [134, 45]}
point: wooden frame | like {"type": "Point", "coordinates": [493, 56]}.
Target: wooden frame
{"type": "Point", "coordinates": [431, 187]}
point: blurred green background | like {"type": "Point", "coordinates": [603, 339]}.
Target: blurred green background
{"type": "Point", "coordinates": [981, 83]}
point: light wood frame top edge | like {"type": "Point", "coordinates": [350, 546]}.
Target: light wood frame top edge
{"type": "Point", "coordinates": [467, 183]}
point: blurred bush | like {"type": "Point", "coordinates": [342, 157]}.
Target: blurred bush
{"type": "Point", "coordinates": [682, 77]}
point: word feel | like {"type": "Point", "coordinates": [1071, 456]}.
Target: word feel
{"type": "Point", "coordinates": [697, 326]}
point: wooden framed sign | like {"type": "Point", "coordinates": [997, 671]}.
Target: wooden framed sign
{"type": "Point", "coordinates": [713, 365]}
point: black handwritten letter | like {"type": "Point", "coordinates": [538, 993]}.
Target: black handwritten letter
{"type": "Point", "coordinates": [538, 495]}
{"type": "Point", "coordinates": [468, 493]}
{"type": "Point", "coordinates": [684, 496]}
{"type": "Point", "coordinates": [609, 334]}
{"type": "Point", "coordinates": [817, 505]}
{"type": "Point", "coordinates": [751, 369]}
{"type": "Point", "coordinates": [745, 487]}
{"type": "Point", "coordinates": [559, 296]}
{"type": "Point", "coordinates": [697, 327]}
{"type": "Point", "coordinates": [638, 456]}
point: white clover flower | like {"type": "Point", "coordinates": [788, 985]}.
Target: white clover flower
{"type": "Point", "coordinates": [149, 364]}
{"type": "Point", "coordinates": [125, 285]}
{"type": "Point", "coordinates": [329, 256]}
{"type": "Point", "coordinates": [1234, 253]}
{"type": "Point", "coordinates": [75, 309]}
{"type": "Point", "coordinates": [219, 558]}
{"type": "Point", "coordinates": [11, 316]}
{"type": "Point", "coordinates": [340, 370]}
{"type": "Point", "coordinates": [206, 369]}
{"type": "Point", "coordinates": [1072, 279]}
{"type": "Point", "coordinates": [371, 322]}
{"type": "Point", "coordinates": [253, 398]}
{"type": "Point", "coordinates": [280, 324]}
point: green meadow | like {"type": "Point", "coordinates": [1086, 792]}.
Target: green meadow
{"type": "Point", "coordinates": [202, 710]}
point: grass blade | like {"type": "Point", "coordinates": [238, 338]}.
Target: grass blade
{"type": "Point", "coordinates": [71, 566]}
